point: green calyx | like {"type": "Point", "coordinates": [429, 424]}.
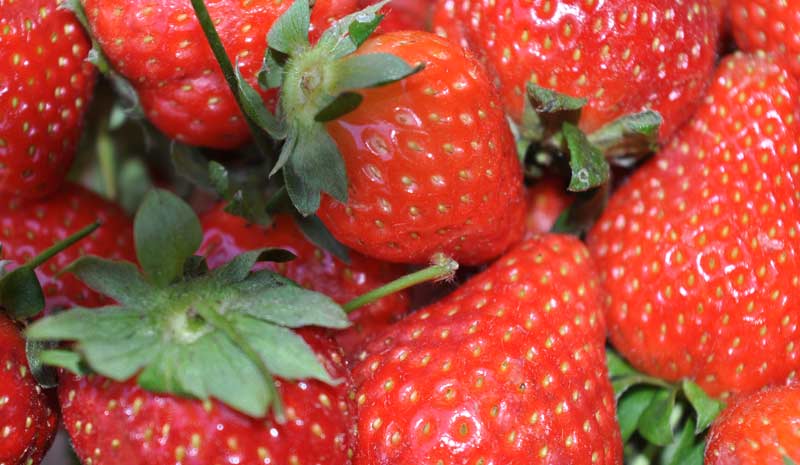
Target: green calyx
{"type": "Point", "coordinates": [184, 330]}
{"type": "Point", "coordinates": [550, 125]}
{"type": "Point", "coordinates": [318, 83]}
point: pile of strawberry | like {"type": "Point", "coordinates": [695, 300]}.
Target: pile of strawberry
{"type": "Point", "coordinates": [447, 232]}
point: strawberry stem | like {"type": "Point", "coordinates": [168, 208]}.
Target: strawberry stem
{"type": "Point", "coordinates": [60, 246]}
{"type": "Point", "coordinates": [443, 268]}
{"type": "Point", "coordinates": [228, 71]}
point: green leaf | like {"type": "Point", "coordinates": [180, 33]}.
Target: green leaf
{"type": "Point", "coordinates": [617, 366]}
{"type": "Point", "coordinates": [315, 167]}
{"type": "Point", "coordinates": [629, 134]}
{"type": "Point", "coordinates": [654, 423]}
{"type": "Point", "coordinates": [315, 231]}
{"type": "Point", "coordinates": [284, 352]}
{"type": "Point", "coordinates": [252, 104]}
{"type": "Point", "coordinates": [337, 36]}
{"type": "Point", "coordinates": [546, 112]}
{"type": "Point", "coordinates": [371, 70]}
{"type": "Point", "coordinates": [289, 148]}
{"type": "Point", "coordinates": [287, 305]}
{"type": "Point", "coordinates": [191, 165]}
{"type": "Point", "coordinates": [119, 280]}
{"type": "Point", "coordinates": [788, 461]}
{"type": "Point", "coordinates": [361, 31]}
{"type": "Point", "coordinates": [239, 268]}
{"type": "Point", "coordinates": [630, 409]}
{"type": "Point", "coordinates": [343, 104]}
{"type": "Point", "coordinates": [44, 375]}
{"type": "Point", "coordinates": [121, 354]}
{"type": "Point", "coordinates": [707, 408]}
{"type": "Point", "coordinates": [682, 448]}
{"type": "Point", "coordinates": [194, 267]}
{"type": "Point", "coordinates": [65, 359]}
{"type": "Point", "coordinates": [544, 100]}
{"type": "Point", "coordinates": [134, 183]}
{"type": "Point", "coordinates": [290, 31]}
{"type": "Point", "coordinates": [589, 167]}
{"type": "Point", "coordinates": [271, 74]}
{"type": "Point", "coordinates": [167, 232]}
{"type": "Point", "coordinates": [20, 293]}
{"type": "Point", "coordinates": [623, 383]}
{"type": "Point", "coordinates": [250, 206]}
{"type": "Point", "coordinates": [82, 323]}
{"type": "Point", "coordinates": [218, 176]}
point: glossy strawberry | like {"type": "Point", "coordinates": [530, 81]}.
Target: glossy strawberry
{"type": "Point", "coordinates": [547, 199]}
{"type": "Point", "coordinates": [509, 369]}
{"type": "Point", "coordinates": [45, 89]}
{"type": "Point", "coordinates": [623, 56]}
{"type": "Point", "coordinates": [698, 251]}
{"type": "Point", "coordinates": [430, 161]}
{"type": "Point", "coordinates": [160, 47]}
{"type": "Point", "coordinates": [28, 416]}
{"type": "Point", "coordinates": [768, 25]}
{"type": "Point", "coordinates": [226, 236]}
{"type": "Point", "coordinates": [760, 429]}
{"type": "Point", "coordinates": [112, 423]}
{"type": "Point", "coordinates": [27, 227]}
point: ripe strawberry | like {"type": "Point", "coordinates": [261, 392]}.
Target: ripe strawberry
{"type": "Point", "coordinates": [509, 369]}
{"type": "Point", "coordinates": [112, 423]}
{"type": "Point", "coordinates": [160, 47]}
{"type": "Point", "coordinates": [698, 251]}
{"type": "Point", "coordinates": [28, 418]}
{"type": "Point", "coordinates": [404, 15]}
{"type": "Point", "coordinates": [768, 25]}
{"type": "Point", "coordinates": [27, 227]}
{"type": "Point", "coordinates": [623, 56]}
{"type": "Point", "coordinates": [226, 236]}
{"type": "Point", "coordinates": [430, 161]}
{"type": "Point", "coordinates": [760, 429]}
{"type": "Point", "coordinates": [44, 91]}
{"type": "Point", "coordinates": [547, 199]}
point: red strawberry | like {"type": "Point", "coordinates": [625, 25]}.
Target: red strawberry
{"type": "Point", "coordinates": [509, 369]}
{"type": "Point", "coordinates": [698, 251]}
{"type": "Point", "coordinates": [430, 161]}
{"type": "Point", "coordinates": [28, 227]}
{"type": "Point", "coordinates": [226, 236]}
{"type": "Point", "coordinates": [111, 423]}
{"type": "Point", "coordinates": [45, 89]}
{"type": "Point", "coordinates": [159, 46]}
{"type": "Point", "coordinates": [768, 25]}
{"type": "Point", "coordinates": [547, 199]}
{"type": "Point", "coordinates": [622, 55]}
{"type": "Point", "coordinates": [760, 429]}
{"type": "Point", "coordinates": [404, 15]}
{"type": "Point", "coordinates": [28, 418]}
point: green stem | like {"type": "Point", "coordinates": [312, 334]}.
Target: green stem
{"type": "Point", "coordinates": [443, 268]}
{"type": "Point", "coordinates": [227, 70]}
{"type": "Point", "coordinates": [107, 161]}
{"type": "Point", "coordinates": [219, 322]}
{"type": "Point", "coordinates": [60, 246]}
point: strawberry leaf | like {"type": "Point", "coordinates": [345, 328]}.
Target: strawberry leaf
{"type": "Point", "coordinates": [65, 359]}
{"type": "Point", "coordinates": [190, 164]}
{"type": "Point", "coordinates": [707, 409]}
{"type": "Point", "coordinates": [166, 232]}
{"type": "Point", "coordinates": [630, 134]}
{"type": "Point", "coordinates": [343, 104]}
{"type": "Point", "coordinates": [589, 167]}
{"type": "Point", "coordinates": [315, 167]}
{"type": "Point", "coordinates": [44, 375]}
{"type": "Point", "coordinates": [654, 423]}
{"type": "Point", "coordinates": [371, 70]}
{"type": "Point", "coordinates": [319, 235]}
{"type": "Point", "coordinates": [685, 449]}
{"type": "Point", "coordinates": [360, 31]}
{"type": "Point", "coordinates": [119, 280]}
{"type": "Point", "coordinates": [237, 269]}
{"type": "Point", "coordinates": [251, 103]}
{"type": "Point", "coordinates": [290, 30]}
{"type": "Point", "coordinates": [788, 461]}
{"type": "Point", "coordinates": [337, 37]}
{"type": "Point", "coordinates": [20, 293]}
{"type": "Point", "coordinates": [631, 407]}
{"type": "Point", "coordinates": [218, 176]}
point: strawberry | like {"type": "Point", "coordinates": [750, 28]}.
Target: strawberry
{"type": "Point", "coordinates": [226, 236]}
{"type": "Point", "coordinates": [118, 422]}
{"type": "Point", "coordinates": [509, 369]}
{"type": "Point", "coordinates": [759, 429]}
{"type": "Point", "coordinates": [404, 15]}
{"type": "Point", "coordinates": [623, 56]}
{"type": "Point", "coordinates": [439, 173]}
{"type": "Point", "coordinates": [547, 199]}
{"type": "Point", "coordinates": [768, 25]}
{"type": "Point", "coordinates": [160, 47]}
{"type": "Point", "coordinates": [698, 250]}
{"type": "Point", "coordinates": [29, 226]}
{"type": "Point", "coordinates": [45, 90]}
{"type": "Point", "coordinates": [28, 417]}
{"type": "Point", "coordinates": [217, 366]}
